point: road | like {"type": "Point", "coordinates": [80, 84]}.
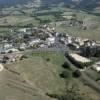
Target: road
{"type": "Point", "coordinates": [90, 82]}
{"type": "Point", "coordinates": [51, 49]}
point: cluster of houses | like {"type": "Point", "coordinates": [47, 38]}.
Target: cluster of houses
{"type": "Point", "coordinates": [85, 46]}
{"type": "Point", "coordinates": [28, 38]}
{"type": "Point", "coordinates": [82, 50]}
{"type": "Point", "coordinates": [44, 37]}
{"type": "Point", "coordinates": [6, 59]}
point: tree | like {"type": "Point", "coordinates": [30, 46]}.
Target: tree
{"type": "Point", "coordinates": [5, 58]}
{"type": "Point", "coordinates": [48, 59]}
{"type": "Point", "coordinates": [65, 74]}
{"type": "Point", "coordinates": [19, 40]}
{"type": "Point", "coordinates": [66, 65]}
{"type": "Point", "coordinates": [77, 73]}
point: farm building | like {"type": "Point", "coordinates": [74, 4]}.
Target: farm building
{"type": "Point", "coordinates": [80, 61]}
{"type": "Point", "coordinates": [34, 41]}
{"type": "Point", "coordinates": [96, 66]}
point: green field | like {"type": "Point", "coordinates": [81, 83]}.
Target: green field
{"type": "Point", "coordinates": [41, 73]}
{"type": "Point", "coordinates": [35, 73]}
{"type": "Point", "coordinates": [35, 76]}
{"type": "Point", "coordinates": [35, 17]}
{"type": "Point", "coordinates": [91, 34]}
{"type": "Point", "coordinates": [32, 78]}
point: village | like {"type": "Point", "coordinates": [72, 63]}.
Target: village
{"type": "Point", "coordinates": [46, 38]}
{"type": "Point", "coordinates": [82, 55]}
{"type": "Point", "coordinates": [82, 52]}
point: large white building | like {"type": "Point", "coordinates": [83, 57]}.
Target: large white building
{"type": "Point", "coordinates": [79, 58]}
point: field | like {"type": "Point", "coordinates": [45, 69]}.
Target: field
{"type": "Point", "coordinates": [32, 78]}
{"type": "Point", "coordinates": [17, 20]}
{"type": "Point", "coordinates": [91, 34]}
{"type": "Point", "coordinates": [36, 16]}
{"type": "Point", "coordinates": [35, 76]}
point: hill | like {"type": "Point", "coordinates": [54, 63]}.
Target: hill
{"type": "Point", "coordinates": [32, 78]}
{"type": "Point", "coordinates": [87, 5]}
{"type": "Point", "coordinates": [5, 3]}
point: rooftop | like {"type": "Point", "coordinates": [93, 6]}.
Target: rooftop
{"type": "Point", "coordinates": [79, 58]}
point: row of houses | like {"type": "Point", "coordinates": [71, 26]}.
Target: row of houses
{"type": "Point", "coordinates": [86, 46]}
{"type": "Point", "coordinates": [67, 39]}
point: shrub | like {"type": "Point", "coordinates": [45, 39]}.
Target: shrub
{"type": "Point", "coordinates": [66, 65]}
{"type": "Point", "coordinates": [48, 59]}
{"type": "Point", "coordinates": [77, 74]}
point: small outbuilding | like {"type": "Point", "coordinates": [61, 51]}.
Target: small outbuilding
{"type": "Point", "coordinates": [96, 66]}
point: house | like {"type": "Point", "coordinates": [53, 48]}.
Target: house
{"type": "Point", "coordinates": [79, 58]}
{"type": "Point", "coordinates": [69, 17]}
{"type": "Point", "coordinates": [7, 45]}
{"type": "Point", "coordinates": [81, 43]}
{"type": "Point", "coordinates": [62, 40]}
{"type": "Point", "coordinates": [86, 40]}
{"type": "Point", "coordinates": [43, 46]}
{"type": "Point", "coordinates": [69, 40]}
{"type": "Point", "coordinates": [45, 26]}
{"type": "Point", "coordinates": [78, 40]}
{"type": "Point", "coordinates": [22, 46]}
{"type": "Point", "coordinates": [50, 40]}
{"type": "Point", "coordinates": [57, 34]}
{"type": "Point", "coordinates": [96, 66]}
{"type": "Point", "coordinates": [22, 30]}
{"type": "Point", "coordinates": [34, 41]}
{"type": "Point", "coordinates": [74, 46]}
{"type": "Point", "coordinates": [89, 48]}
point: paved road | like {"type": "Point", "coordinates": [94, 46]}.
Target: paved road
{"type": "Point", "coordinates": [90, 82]}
